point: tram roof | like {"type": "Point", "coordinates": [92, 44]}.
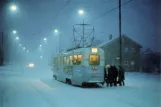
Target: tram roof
{"type": "Point", "coordinates": [79, 50]}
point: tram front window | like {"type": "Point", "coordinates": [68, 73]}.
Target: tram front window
{"type": "Point", "coordinates": [94, 60]}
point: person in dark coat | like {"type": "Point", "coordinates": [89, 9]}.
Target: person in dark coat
{"type": "Point", "coordinates": [110, 76]}
{"type": "Point", "coordinates": [121, 76]}
{"type": "Point", "coordinates": [105, 74]}
{"type": "Point", "coordinates": [115, 75]}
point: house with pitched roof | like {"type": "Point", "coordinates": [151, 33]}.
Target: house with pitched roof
{"type": "Point", "coordinates": [130, 53]}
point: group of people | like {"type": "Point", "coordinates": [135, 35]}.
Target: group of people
{"type": "Point", "coordinates": [114, 76]}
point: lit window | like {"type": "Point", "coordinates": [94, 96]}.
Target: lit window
{"type": "Point", "coordinates": [94, 50]}
{"type": "Point", "coordinates": [70, 58]}
{"type": "Point", "coordinates": [65, 61]}
{"type": "Point", "coordinates": [94, 60]}
{"type": "Point", "coordinates": [77, 59]}
{"type": "Point", "coordinates": [61, 60]}
{"type": "Point", "coordinates": [58, 60]}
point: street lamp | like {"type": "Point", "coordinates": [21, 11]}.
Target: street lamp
{"type": "Point", "coordinates": [56, 31]}
{"type": "Point", "coordinates": [14, 31]}
{"type": "Point", "coordinates": [81, 12]}
{"type": "Point", "coordinates": [45, 39]}
{"type": "Point", "coordinates": [17, 38]}
{"type": "Point", "coordinates": [13, 8]}
{"type": "Point", "coordinates": [24, 48]}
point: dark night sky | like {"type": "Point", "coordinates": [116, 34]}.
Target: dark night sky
{"type": "Point", "coordinates": [36, 19]}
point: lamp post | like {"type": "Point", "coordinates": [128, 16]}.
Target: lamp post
{"type": "Point", "coordinates": [14, 31]}
{"type": "Point", "coordinates": [13, 8]}
{"type": "Point", "coordinates": [57, 31]}
{"type": "Point", "coordinates": [81, 12]}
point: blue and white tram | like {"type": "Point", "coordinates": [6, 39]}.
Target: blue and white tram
{"type": "Point", "coordinates": [79, 66]}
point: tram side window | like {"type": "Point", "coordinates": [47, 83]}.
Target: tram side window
{"type": "Point", "coordinates": [54, 61]}
{"type": "Point", "coordinates": [65, 61]}
{"type": "Point", "coordinates": [94, 60]}
{"type": "Point", "coordinates": [70, 60]}
{"type": "Point", "coordinates": [77, 59]}
{"type": "Point", "coordinates": [58, 61]}
{"type": "Point", "coordinates": [68, 63]}
{"type": "Point", "coordinates": [61, 60]}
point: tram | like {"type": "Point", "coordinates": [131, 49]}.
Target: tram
{"type": "Point", "coordinates": [79, 66]}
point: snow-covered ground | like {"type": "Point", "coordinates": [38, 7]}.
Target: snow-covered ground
{"type": "Point", "coordinates": [24, 87]}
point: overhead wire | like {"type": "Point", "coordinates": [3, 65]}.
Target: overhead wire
{"type": "Point", "coordinates": [104, 14]}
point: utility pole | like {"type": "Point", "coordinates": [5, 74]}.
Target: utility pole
{"type": "Point", "coordinates": [120, 36]}
{"type": "Point", "coordinates": [2, 50]}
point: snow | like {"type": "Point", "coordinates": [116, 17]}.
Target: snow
{"type": "Point", "coordinates": [26, 87]}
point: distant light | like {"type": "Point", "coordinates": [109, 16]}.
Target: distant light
{"type": "Point", "coordinates": [41, 57]}
{"type": "Point", "coordinates": [27, 50]}
{"type": "Point", "coordinates": [45, 39]}
{"type": "Point", "coordinates": [17, 38]}
{"type": "Point", "coordinates": [81, 12]}
{"type": "Point", "coordinates": [55, 30]}
{"type": "Point", "coordinates": [13, 7]}
{"type": "Point", "coordinates": [31, 65]}
{"type": "Point", "coordinates": [20, 45]}
{"type": "Point", "coordinates": [40, 45]}
{"type": "Point", "coordinates": [14, 31]}
{"type": "Point", "coordinates": [24, 48]}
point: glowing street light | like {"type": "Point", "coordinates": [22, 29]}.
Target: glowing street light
{"type": "Point", "coordinates": [17, 38]}
{"type": "Point", "coordinates": [14, 31]}
{"type": "Point", "coordinates": [40, 45]}
{"type": "Point", "coordinates": [13, 8]}
{"type": "Point", "coordinates": [55, 30]}
{"type": "Point", "coordinates": [27, 50]}
{"type": "Point", "coordinates": [24, 48]}
{"type": "Point", "coordinates": [45, 39]}
{"type": "Point", "coordinates": [81, 12]}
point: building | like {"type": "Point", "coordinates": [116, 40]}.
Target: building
{"type": "Point", "coordinates": [150, 61]}
{"type": "Point", "coordinates": [130, 53]}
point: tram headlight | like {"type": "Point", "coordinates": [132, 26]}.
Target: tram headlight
{"type": "Point", "coordinates": [31, 65]}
